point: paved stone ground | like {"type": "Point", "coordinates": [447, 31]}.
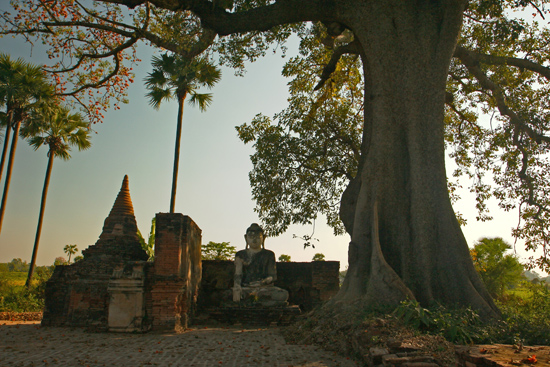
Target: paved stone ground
{"type": "Point", "coordinates": [29, 344]}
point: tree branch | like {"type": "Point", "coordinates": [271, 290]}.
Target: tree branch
{"type": "Point", "coordinates": [98, 83]}
{"type": "Point", "coordinates": [472, 64]}
{"type": "Point", "coordinates": [350, 48]}
{"type": "Point", "coordinates": [462, 52]}
{"type": "Point", "coordinates": [258, 19]}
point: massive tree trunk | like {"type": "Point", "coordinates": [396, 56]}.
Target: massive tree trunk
{"type": "Point", "coordinates": [405, 239]}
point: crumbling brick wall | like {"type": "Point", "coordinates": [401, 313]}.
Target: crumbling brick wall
{"type": "Point", "coordinates": [76, 294]}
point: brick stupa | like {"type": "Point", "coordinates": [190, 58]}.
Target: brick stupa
{"type": "Point", "coordinates": [119, 235]}
{"type": "Point", "coordinates": [76, 294]}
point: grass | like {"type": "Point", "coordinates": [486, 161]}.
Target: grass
{"type": "Point", "coordinates": [15, 278]}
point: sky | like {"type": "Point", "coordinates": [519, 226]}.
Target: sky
{"type": "Point", "coordinates": [213, 187]}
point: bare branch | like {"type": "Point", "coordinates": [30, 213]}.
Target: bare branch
{"type": "Point", "coordinates": [98, 83]}
{"type": "Point", "coordinates": [538, 10]}
{"type": "Point", "coordinates": [113, 52]}
{"type": "Point", "coordinates": [97, 16]}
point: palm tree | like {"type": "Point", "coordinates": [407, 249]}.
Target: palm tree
{"type": "Point", "coordinates": [59, 130]}
{"type": "Point", "coordinates": [23, 86]}
{"type": "Point", "coordinates": [70, 250]}
{"type": "Point", "coordinates": [174, 77]}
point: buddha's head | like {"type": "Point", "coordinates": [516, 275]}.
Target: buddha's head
{"type": "Point", "coordinates": [254, 237]}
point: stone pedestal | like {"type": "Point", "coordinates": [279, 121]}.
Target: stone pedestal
{"type": "Point", "coordinates": [126, 300]}
{"type": "Point", "coordinates": [256, 316]}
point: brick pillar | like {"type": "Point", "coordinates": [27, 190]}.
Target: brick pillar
{"type": "Point", "coordinates": [177, 270]}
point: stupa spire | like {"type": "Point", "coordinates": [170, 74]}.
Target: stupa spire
{"type": "Point", "coordinates": [123, 203]}
{"type": "Point", "coordinates": [121, 220]}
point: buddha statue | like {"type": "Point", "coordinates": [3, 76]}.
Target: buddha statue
{"type": "Point", "coordinates": [255, 272]}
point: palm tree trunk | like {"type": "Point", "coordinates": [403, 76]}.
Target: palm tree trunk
{"type": "Point", "coordinates": [5, 149]}
{"type": "Point", "coordinates": [14, 140]}
{"type": "Point", "coordinates": [177, 155]}
{"type": "Point", "coordinates": [40, 218]}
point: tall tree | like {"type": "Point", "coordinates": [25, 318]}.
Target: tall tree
{"type": "Point", "coordinates": [23, 87]}
{"type": "Point", "coordinates": [59, 130]}
{"type": "Point", "coordinates": [405, 238]}
{"type": "Point", "coordinates": [174, 77]}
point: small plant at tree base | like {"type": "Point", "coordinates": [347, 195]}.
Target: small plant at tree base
{"type": "Point", "coordinates": [218, 251]}
{"type": "Point", "coordinates": [284, 258]}
{"type": "Point", "coordinates": [461, 325]}
{"type": "Point", "coordinates": [318, 257]}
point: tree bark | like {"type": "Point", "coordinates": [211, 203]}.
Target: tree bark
{"type": "Point", "coordinates": [13, 148]}
{"type": "Point", "coordinates": [5, 149]}
{"type": "Point", "coordinates": [51, 156]}
{"type": "Point", "coordinates": [181, 99]}
{"type": "Point", "coordinates": [404, 233]}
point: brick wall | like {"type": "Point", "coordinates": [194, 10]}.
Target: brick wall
{"type": "Point", "coordinates": [177, 271]}
{"type": "Point", "coordinates": [76, 294]}
{"type": "Point", "coordinates": [308, 283]}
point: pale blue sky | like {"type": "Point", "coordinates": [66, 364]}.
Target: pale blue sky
{"type": "Point", "coordinates": [213, 186]}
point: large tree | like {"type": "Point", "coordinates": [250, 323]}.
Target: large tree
{"type": "Point", "coordinates": [405, 237]}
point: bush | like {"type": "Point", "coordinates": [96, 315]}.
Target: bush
{"type": "Point", "coordinates": [525, 320]}
{"type": "Point", "coordinates": [457, 325]}
{"type": "Point", "coordinates": [17, 298]}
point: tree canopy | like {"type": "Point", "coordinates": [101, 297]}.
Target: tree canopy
{"type": "Point", "coordinates": [218, 251]}
{"type": "Point", "coordinates": [428, 70]}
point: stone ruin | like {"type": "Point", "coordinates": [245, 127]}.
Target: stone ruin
{"type": "Point", "coordinates": [115, 288]}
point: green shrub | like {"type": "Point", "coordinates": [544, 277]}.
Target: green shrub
{"type": "Point", "coordinates": [524, 319]}
{"type": "Point", "coordinates": [460, 325]}
{"type": "Point", "coordinates": [15, 297]}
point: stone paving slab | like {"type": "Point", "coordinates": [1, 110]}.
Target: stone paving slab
{"type": "Point", "coordinates": [29, 344]}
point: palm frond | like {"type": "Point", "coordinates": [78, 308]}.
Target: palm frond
{"type": "Point", "coordinates": [157, 95]}
{"type": "Point", "coordinates": [202, 100]}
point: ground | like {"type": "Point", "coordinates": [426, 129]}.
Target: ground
{"type": "Point", "coordinates": [312, 342]}
{"type": "Point", "coordinates": [26, 343]}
